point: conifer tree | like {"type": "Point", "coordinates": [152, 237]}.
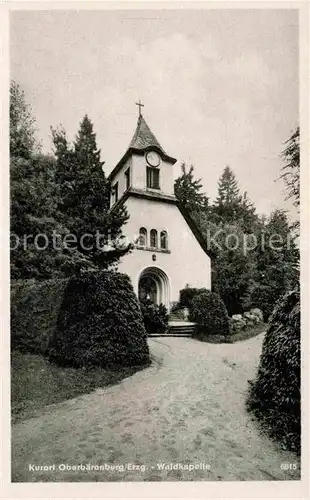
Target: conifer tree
{"type": "Point", "coordinates": [188, 191]}
{"type": "Point", "coordinates": [291, 169]}
{"type": "Point", "coordinates": [228, 201]}
{"type": "Point", "coordinates": [23, 143]}
{"type": "Point", "coordinates": [85, 197]}
{"type": "Point", "coordinates": [277, 262]}
{"type": "Point", "coordinates": [291, 172]}
{"type": "Point", "coordinates": [230, 206]}
{"type": "Point", "coordinates": [247, 214]}
{"type": "Point", "coordinates": [233, 269]}
{"type": "Point", "coordinates": [34, 197]}
{"type": "Point", "coordinates": [228, 190]}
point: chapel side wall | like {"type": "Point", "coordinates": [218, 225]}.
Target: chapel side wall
{"type": "Point", "coordinates": [186, 264]}
{"type": "Point", "coordinates": [120, 177]}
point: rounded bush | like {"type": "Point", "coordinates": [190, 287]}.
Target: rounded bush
{"type": "Point", "coordinates": [187, 294]}
{"type": "Point", "coordinates": [250, 318]}
{"type": "Point", "coordinates": [100, 323]}
{"type": "Point", "coordinates": [155, 317]}
{"type": "Point", "coordinates": [275, 394]}
{"type": "Point", "coordinates": [237, 324]}
{"type": "Point", "coordinates": [209, 313]}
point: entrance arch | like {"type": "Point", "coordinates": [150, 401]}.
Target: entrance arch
{"type": "Point", "coordinates": [154, 284]}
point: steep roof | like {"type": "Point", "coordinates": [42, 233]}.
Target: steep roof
{"type": "Point", "coordinates": [143, 136]}
{"type": "Point", "coordinates": [143, 140]}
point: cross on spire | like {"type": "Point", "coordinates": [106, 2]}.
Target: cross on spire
{"type": "Point", "coordinates": [140, 106]}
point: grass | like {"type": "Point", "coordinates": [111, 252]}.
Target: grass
{"type": "Point", "coordinates": [249, 332]}
{"type": "Point", "coordinates": [245, 334]}
{"type": "Point", "coordinates": [35, 382]}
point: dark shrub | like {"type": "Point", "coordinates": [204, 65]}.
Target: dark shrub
{"type": "Point", "coordinates": [187, 294]}
{"type": "Point", "coordinates": [155, 317]}
{"type": "Point", "coordinates": [210, 315]}
{"type": "Point", "coordinates": [174, 307]}
{"type": "Point", "coordinates": [34, 312]}
{"type": "Point", "coordinates": [275, 394]}
{"type": "Point", "coordinates": [265, 297]}
{"type": "Point", "coordinates": [100, 323]}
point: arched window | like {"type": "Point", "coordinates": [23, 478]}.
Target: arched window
{"type": "Point", "coordinates": [153, 238]}
{"type": "Point", "coordinates": [164, 240]}
{"type": "Point", "coordinates": [142, 237]}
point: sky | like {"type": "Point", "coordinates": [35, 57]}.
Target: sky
{"type": "Point", "coordinates": [219, 87]}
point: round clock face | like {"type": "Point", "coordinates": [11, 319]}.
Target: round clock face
{"type": "Point", "coordinates": [153, 159]}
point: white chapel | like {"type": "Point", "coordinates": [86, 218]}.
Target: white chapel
{"type": "Point", "coordinates": [170, 252]}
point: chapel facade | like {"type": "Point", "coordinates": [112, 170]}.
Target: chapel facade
{"type": "Point", "coordinates": [170, 252]}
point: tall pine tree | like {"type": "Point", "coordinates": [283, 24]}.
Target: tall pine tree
{"type": "Point", "coordinates": [85, 197]}
{"type": "Point", "coordinates": [228, 201]}
{"type": "Point", "coordinates": [230, 206]}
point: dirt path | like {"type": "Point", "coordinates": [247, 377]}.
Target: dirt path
{"type": "Point", "coordinates": [187, 408]}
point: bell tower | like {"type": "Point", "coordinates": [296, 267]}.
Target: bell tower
{"type": "Point", "coordinates": [145, 167]}
{"type": "Point", "coordinates": [165, 236]}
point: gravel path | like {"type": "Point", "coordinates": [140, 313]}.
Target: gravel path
{"type": "Point", "coordinates": [187, 408]}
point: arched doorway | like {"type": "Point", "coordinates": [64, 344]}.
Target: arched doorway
{"type": "Point", "coordinates": [148, 289]}
{"type": "Point", "coordinates": [154, 285]}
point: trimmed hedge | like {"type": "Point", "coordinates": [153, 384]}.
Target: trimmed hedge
{"type": "Point", "coordinates": [275, 394]}
{"type": "Point", "coordinates": [34, 312]}
{"type": "Point", "coordinates": [100, 323]}
{"type": "Point", "coordinates": [209, 313]}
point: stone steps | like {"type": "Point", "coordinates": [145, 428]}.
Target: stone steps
{"type": "Point", "coordinates": [177, 330]}
{"type": "Point", "coordinates": [162, 335]}
{"type": "Point", "coordinates": [175, 317]}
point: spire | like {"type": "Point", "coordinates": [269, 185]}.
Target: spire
{"type": "Point", "coordinates": [143, 136]}
{"type": "Point", "coordinates": [143, 140]}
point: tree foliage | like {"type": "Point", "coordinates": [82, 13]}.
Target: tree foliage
{"type": "Point", "coordinates": [230, 206]}
{"type": "Point", "coordinates": [188, 190]}
{"type": "Point", "coordinates": [247, 270]}
{"type": "Point", "coordinates": [55, 197]}
{"type": "Point", "coordinates": [228, 191]}
{"type": "Point", "coordinates": [291, 169]}
{"type": "Point", "coordinates": [233, 268]}
{"type": "Point", "coordinates": [35, 306]}
{"type": "Point", "coordinates": [22, 125]}
{"type": "Point", "coordinates": [277, 262]}
{"type": "Point", "coordinates": [34, 196]}
{"type": "Point", "coordinates": [85, 196]}
{"type": "Point", "coordinates": [36, 252]}
{"type": "Point", "coordinates": [274, 396]}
